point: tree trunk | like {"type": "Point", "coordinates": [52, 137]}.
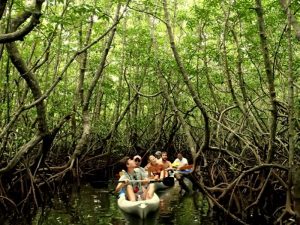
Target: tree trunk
{"type": "Point", "coordinates": [33, 84]}
{"type": "Point", "coordinates": [78, 100]}
{"type": "Point", "coordinates": [291, 119]}
{"type": "Point", "coordinates": [294, 22]}
{"type": "Point", "coordinates": [185, 76]}
{"type": "Point", "coordinates": [22, 32]}
{"type": "Point", "coordinates": [203, 40]}
{"type": "Point", "coordinates": [225, 62]}
{"type": "Point", "coordinates": [85, 108]}
{"type": "Point", "coordinates": [270, 80]}
{"type": "Point", "coordinates": [2, 7]}
{"type": "Point", "coordinates": [186, 129]}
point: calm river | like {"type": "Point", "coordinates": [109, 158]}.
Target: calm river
{"type": "Point", "coordinates": [96, 206]}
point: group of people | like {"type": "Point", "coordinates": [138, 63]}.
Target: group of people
{"type": "Point", "coordinates": [135, 179]}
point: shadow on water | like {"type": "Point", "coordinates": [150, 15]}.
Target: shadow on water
{"type": "Point", "coordinates": [176, 209]}
{"type": "Point", "coordinates": [89, 206]}
{"type": "Point", "coordinates": [93, 206]}
{"type": "Point", "coordinates": [133, 220]}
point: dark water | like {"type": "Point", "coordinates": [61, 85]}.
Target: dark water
{"type": "Point", "coordinates": [97, 206]}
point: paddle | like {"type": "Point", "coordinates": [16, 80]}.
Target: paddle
{"type": "Point", "coordinates": [168, 181]}
{"type": "Point", "coordinates": [185, 167]}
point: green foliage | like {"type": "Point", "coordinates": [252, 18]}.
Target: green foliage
{"type": "Point", "coordinates": [18, 6]}
{"type": "Point", "coordinates": [85, 10]}
{"type": "Point", "coordinates": [141, 50]}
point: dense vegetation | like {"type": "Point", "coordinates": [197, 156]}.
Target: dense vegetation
{"type": "Point", "coordinates": [85, 82]}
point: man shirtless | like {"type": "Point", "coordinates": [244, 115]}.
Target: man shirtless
{"type": "Point", "coordinates": [166, 163]}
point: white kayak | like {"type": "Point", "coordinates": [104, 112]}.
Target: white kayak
{"type": "Point", "coordinates": [166, 183]}
{"type": "Point", "coordinates": [161, 186]}
{"type": "Point", "coordinates": [140, 208]}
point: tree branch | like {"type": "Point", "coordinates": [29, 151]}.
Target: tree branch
{"type": "Point", "coordinates": [20, 34]}
{"type": "Point", "coordinates": [294, 22]}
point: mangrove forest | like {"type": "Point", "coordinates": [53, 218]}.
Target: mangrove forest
{"type": "Point", "coordinates": [86, 82]}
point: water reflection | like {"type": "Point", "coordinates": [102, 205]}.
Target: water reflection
{"type": "Point", "coordinates": [93, 206]}
{"type": "Point", "coordinates": [133, 220]}
{"type": "Point", "coordinates": [89, 206]}
{"type": "Point", "coordinates": [176, 209]}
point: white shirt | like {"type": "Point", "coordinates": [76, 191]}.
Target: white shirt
{"type": "Point", "coordinates": [181, 162]}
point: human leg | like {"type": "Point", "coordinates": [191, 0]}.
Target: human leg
{"type": "Point", "coordinates": [150, 191]}
{"type": "Point", "coordinates": [130, 193]}
{"type": "Point", "coordinates": [144, 194]}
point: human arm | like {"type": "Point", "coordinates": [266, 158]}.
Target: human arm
{"type": "Point", "coordinates": [170, 167]}
{"type": "Point", "coordinates": [162, 172]}
{"type": "Point", "coordinates": [149, 172]}
{"type": "Point", "coordinates": [119, 187]}
{"type": "Point", "coordinates": [145, 181]}
{"type": "Point", "coordinates": [176, 163]}
{"type": "Point", "coordinates": [123, 181]}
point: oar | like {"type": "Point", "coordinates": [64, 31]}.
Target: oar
{"type": "Point", "coordinates": [168, 181]}
{"type": "Point", "coordinates": [186, 167]}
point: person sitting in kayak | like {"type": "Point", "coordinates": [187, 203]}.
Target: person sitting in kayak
{"type": "Point", "coordinates": [167, 165]}
{"type": "Point", "coordinates": [138, 162]}
{"type": "Point", "coordinates": [158, 155]}
{"type": "Point", "coordinates": [155, 168]}
{"type": "Point", "coordinates": [134, 190]}
{"type": "Point", "coordinates": [180, 162]}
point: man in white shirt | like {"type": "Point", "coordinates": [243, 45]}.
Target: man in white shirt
{"type": "Point", "coordinates": [180, 164]}
{"type": "Point", "coordinates": [180, 161]}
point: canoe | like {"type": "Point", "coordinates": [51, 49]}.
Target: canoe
{"type": "Point", "coordinates": [167, 182]}
{"type": "Point", "coordinates": [184, 182]}
{"type": "Point", "coordinates": [160, 186]}
{"type": "Point", "coordinates": [140, 208]}
{"type": "Point", "coordinates": [183, 171]}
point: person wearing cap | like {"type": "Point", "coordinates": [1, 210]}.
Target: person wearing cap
{"type": "Point", "coordinates": [158, 154]}
{"type": "Point", "coordinates": [132, 181]}
{"type": "Point", "coordinates": [138, 161]}
{"type": "Point", "coordinates": [150, 188]}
